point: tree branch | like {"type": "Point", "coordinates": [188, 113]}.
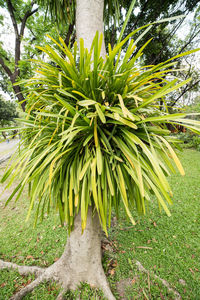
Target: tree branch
{"type": "Point", "coordinates": [19, 37]}
{"type": "Point", "coordinates": [12, 15]}
{"type": "Point", "coordinates": [69, 33]}
{"type": "Point", "coordinates": [26, 16]}
{"type": "Point", "coordinates": [6, 68]}
{"type": "Point", "coordinates": [186, 89]}
{"type": "Point", "coordinates": [168, 37]}
{"type": "Point", "coordinates": [189, 41]}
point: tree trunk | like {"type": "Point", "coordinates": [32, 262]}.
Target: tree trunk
{"type": "Point", "coordinates": [80, 262]}
{"type": "Point", "coordinates": [19, 95]}
{"type": "Point", "coordinates": [89, 20]}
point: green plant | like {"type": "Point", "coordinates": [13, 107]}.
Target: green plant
{"type": "Point", "coordinates": [95, 132]}
{"type": "Point", "coordinates": [191, 140]}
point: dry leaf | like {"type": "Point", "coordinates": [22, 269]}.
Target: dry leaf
{"type": "Point", "coordinates": [29, 257]}
{"type": "Point", "coordinates": [3, 284]}
{"type": "Point", "coordinates": [112, 272]}
{"type": "Point", "coordinates": [133, 280]}
{"type": "Point", "coordinates": [191, 271]}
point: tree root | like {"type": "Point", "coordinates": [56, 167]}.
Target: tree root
{"type": "Point", "coordinates": [102, 283]}
{"type": "Point", "coordinates": [80, 262]}
{"type": "Point", "coordinates": [29, 288]}
{"type": "Point", "coordinates": [54, 273]}
{"type": "Point", "coordinates": [23, 270]}
{"type": "Point", "coordinates": [164, 282]}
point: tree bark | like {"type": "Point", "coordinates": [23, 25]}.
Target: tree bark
{"type": "Point", "coordinates": [89, 20]}
{"type": "Point", "coordinates": [80, 262]}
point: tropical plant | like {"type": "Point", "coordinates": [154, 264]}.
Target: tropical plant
{"type": "Point", "coordinates": [94, 130]}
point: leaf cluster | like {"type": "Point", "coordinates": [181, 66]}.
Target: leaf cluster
{"type": "Point", "coordinates": [94, 134]}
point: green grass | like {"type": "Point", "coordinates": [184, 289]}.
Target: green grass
{"type": "Point", "coordinates": [172, 246]}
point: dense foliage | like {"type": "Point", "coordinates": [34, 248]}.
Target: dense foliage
{"type": "Point", "coordinates": [7, 112]}
{"type": "Point", "coordinates": [95, 132]}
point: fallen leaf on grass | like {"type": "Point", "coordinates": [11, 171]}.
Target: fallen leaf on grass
{"type": "Point", "coordinates": [111, 272]}
{"type": "Point", "coordinates": [55, 259]}
{"type": "Point", "coordinates": [191, 271]}
{"type": "Point", "coordinates": [114, 264]}
{"type": "Point", "coordinates": [29, 257]}
{"type": "Point", "coordinates": [52, 288]}
{"type": "Point", "coordinates": [27, 283]}
{"type": "Point", "coordinates": [3, 284]}
{"type": "Point", "coordinates": [133, 281]}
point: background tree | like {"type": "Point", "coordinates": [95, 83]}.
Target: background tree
{"type": "Point", "coordinates": [8, 113]}
{"type": "Point", "coordinates": [189, 66]}
{"type": "Point", "coordinates": [19, 19]}
{"type": "Point", "coordinates": [29, 26]}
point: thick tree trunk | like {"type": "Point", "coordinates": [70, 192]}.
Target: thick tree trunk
{"type": "Point", "coordinates": [89, 20]}
{"type": "Point", "coordinates": [80, 262]}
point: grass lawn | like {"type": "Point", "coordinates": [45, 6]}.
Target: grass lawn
{"type": "Point", "coordinates": [168, 248]}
